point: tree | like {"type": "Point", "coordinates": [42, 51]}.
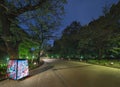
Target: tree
{"type": "Point", "coordinates": [67, 45]}
{"type": "Point", "coordinates": [99, 39]}
{"type": "Point", "coordinates": [28, 49]}
{"type": "Point", "coordinates": [12, 10]}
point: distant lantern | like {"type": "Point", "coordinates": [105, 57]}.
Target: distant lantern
{"type": "Point", "coordinates": [111, 63]}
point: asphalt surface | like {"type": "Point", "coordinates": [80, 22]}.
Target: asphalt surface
{"type": "Point", "coordinates": [59, 73]}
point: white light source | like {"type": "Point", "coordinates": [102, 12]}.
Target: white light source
{"type": "Point", "coordinates": [7, 59]}
{"type": "Point", "coordinates": [33, 57]}
{"type": "Point", "coordinates": [111, 63]}
{"type": "Point", "coordinates": [35, 63]}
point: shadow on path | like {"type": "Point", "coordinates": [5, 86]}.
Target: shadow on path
{"type": "Point", "coordinates": [43, 69]}
{"type": "Point", "coordinates": [37, 71]}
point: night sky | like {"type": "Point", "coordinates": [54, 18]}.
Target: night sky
{"type": "Point", "coordinates": [84, 10]}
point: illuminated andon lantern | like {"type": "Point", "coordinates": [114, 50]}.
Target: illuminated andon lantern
{"type": "Point", "coordinates": [18, 69]}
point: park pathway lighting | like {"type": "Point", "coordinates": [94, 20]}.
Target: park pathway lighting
{"type": "Point", "coordinates": [112, 63]}
{"type": "Point", "coordinates": [35, 63]}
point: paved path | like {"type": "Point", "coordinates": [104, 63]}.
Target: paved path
{"type": "Point", "coordinates": [56, 73]}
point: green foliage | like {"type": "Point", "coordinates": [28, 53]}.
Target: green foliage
{"type": "Point", "coordinates": [3, 69]}
{"type": "Point", "coordinates": [99, 39]}
{"type": "Point", "coordinates": [37, 15]}
{"type": "Point", "coordinates": [105, 62]}
{"type": "Point", "coordinates": [25, 49]}
{"type": "Point", "coordinates": [67, 44]}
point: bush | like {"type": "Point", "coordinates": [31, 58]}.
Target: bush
{"type": "Point", "coordinates": [105, 62]}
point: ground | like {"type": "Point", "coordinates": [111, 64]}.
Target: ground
{"type": "Point", "coordinates": [59, 73]}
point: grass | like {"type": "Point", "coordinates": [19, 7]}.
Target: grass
{"type": "Point", "coordinates": [105, 62]}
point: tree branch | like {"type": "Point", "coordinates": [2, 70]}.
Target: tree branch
{"type": "Point", "coordinates": [29, 7]}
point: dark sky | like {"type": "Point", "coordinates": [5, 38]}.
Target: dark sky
{"type": "Point", "coordinates": [84, 10]}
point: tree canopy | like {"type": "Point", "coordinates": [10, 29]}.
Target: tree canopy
{"type": "Point", "coordinates": [45, 14]}
{"type": "Point", "coordinates": [99, 39]}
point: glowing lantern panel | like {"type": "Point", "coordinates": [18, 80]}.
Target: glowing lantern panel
{"type": "Point", "coordinates": [17, 69]}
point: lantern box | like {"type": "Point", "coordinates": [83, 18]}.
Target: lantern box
{"type": "Point", "coordinates": [17, 69]}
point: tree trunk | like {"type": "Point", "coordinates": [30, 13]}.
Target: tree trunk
{"type": "Point", "coordinates": [100, 53]}
{"type": "Point", "coordinates": [39, 55]}
{"type": "Point", "coordinates": [5, 23]}
{"type": "Point", "coordinates": [12, 48]}
{"type": "Point", "coordinates": [38, 58]}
